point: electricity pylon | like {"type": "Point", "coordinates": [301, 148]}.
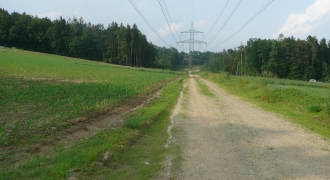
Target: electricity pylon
{"type": "Point", "coordinates": [192, 43]}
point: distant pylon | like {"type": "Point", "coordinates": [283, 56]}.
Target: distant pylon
{"type": "Point", "coordinates": [192, 42]}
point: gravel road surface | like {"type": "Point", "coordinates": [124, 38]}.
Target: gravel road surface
{"type": "Point", "coordinates": [227, 138]}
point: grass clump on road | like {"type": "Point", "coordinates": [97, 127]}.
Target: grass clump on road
{"type": "Point", "coordinates": [204, 89]}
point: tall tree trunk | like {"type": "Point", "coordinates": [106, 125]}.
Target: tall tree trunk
{"type": "Point", "coordinates": [245, 61]}
{"type": "Point", "coordinates": [131, 56]}
{"type": "Point", "coordinates": [241, 61]}
{"type": "Point", "coordinates": [232, 66]}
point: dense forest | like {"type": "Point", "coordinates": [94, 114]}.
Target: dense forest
{"type": "Point", "coordinates": [117, 44]}
{"type": "Point", "coordinates": [285, 57]}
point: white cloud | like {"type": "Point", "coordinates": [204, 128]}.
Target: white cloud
{"type": "Point", "coordinates": [200, 25]}
{"type": "Point", "coordinates": [163, 31]}
{"type": "Point", "coordinates": [165, 34]}
{"type": "Point", "coordinates": [51, 15]}
{"type": "Point", "coordinates": [302, 24]}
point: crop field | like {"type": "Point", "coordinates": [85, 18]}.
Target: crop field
{"type": "Point", "coordinates": [40, 91]}
{"type": "Point", "coordinates": [112, 153]}
{"type": "Point", "coordinates": [27, 64]}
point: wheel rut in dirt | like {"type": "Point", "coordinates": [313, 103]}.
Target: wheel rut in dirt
{"type": "Point", "coordinates": [227, 138]}
{"type": "Point", "coordinates": [80, 128]}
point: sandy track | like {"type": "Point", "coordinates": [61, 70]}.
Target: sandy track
{"type": "Point", "coordinates": [227, 138]}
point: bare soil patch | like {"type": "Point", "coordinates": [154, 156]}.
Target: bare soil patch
{"type": "Point", "coordinates": [78, 81]}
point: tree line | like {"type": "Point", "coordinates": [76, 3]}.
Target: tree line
{"type": "Point", "coordinates": [117, 44]}
{"type": "Point", "coordinates": [285, 57]}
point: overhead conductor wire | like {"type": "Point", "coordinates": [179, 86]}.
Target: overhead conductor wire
{"type": "Point", "coordinates": [193, 11]}
{"type": "Point", "coordinates": [147, 21]}
{"type": "Point", "coordinates": [223, 9]}
{"type": "Point", "coordinates": [167, 21]}
{"type": "Point", "coordinates": [231, 14]}
{"type": "Point", "coordinates": [168, 13]}
{"type": "Point", "coordinates": [263, 8]}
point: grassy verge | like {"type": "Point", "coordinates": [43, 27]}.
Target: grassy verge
{"type": "Point", "coordinates": [145, 159]}
{"type": "Point", "coordinates": [204, 89]}
{"type": "Point", "coordinates": [179, 137]}
{"type": "Point", "coordinates": [134, 151]}
{"type": "Point", "coordinates": [298, 101]}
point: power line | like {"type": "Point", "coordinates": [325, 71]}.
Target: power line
{"type": "Point", "coordinates": [170, 16]}
{"type": "Point", "coordinates": [262, 9]}
{"type": "Point", "coordinates": [146, 21]}
{"type": "Point", "coordinates": [167, 21]}
{"type": "Point", "coordinates": [218, 17]}
{"type": "Point", "coordinates": [231, 14]}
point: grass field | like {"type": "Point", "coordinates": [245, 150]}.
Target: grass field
{"type": "Point", "coordinates": [27, 64]}
{"type": "Point", "coordinates": [305, 103]}
{"type": "Point", "coordinates": [42, 91]}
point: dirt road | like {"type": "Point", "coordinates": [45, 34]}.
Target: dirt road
{"type": "Point", "coordinates": [227, 138]}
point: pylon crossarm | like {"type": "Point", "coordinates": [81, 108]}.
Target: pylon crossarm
{"type": "Point", "coordinates": [185, 41]}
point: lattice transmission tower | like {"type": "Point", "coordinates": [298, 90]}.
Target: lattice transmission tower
{"type": "Point", "coordinates": [192, 43]}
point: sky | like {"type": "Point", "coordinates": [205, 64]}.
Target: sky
{"type": "Point", "coordinates": [298, 18]}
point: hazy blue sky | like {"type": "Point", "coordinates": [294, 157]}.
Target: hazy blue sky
{"type": "Point", "coordinates": [298, 18]}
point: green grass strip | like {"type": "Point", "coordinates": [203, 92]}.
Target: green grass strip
{"type": "Point", "coordinates": [204, 89]}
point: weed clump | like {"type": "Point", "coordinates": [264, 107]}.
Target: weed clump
{"type": "Point", "coordinates": [243, 82]}
{"type": "Point", "coordinates": [269, 74]}
{"type": "Point", "coordinates": [327, 105]}
{"type": "Point", "coordinates": [3, 128]}
{"type": "Point", "coordinates": [134, 122]}
{"type": "Point", "coordinates": [266, 93]}
{"type": "Point", "coordinates": [315, 108]}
